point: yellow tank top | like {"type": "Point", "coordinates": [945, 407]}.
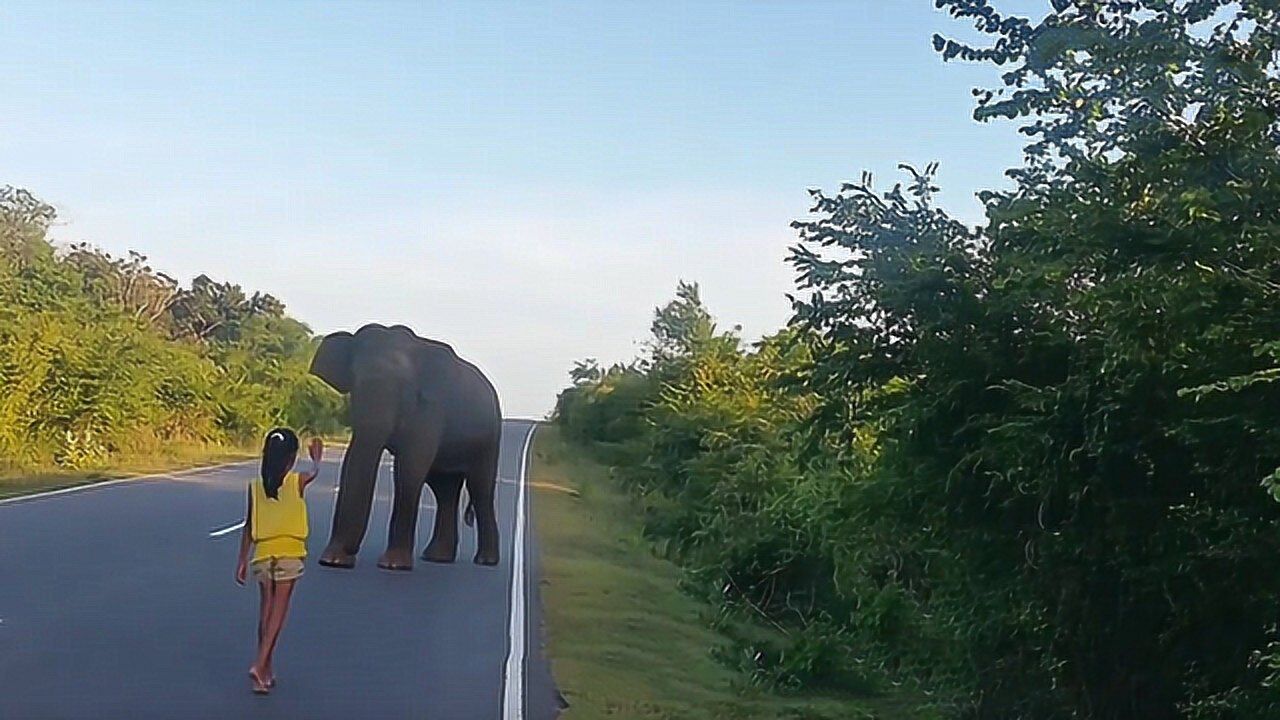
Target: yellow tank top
{"type": "Point", "coordinates": [279, 528]}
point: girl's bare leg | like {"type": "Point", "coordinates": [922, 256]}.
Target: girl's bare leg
{"type": "Point", "coordinates": [268, 594]}
{"type": "Point", "coordinates": [264, 604]}
{"type": "Point", "coordinates": [275, 622]}
{"type": "Point", "coordinates": [261, 675]}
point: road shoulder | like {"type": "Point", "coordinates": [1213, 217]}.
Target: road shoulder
{"type": "Point", "coordinates": [17, 484]}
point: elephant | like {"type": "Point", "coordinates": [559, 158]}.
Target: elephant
{"type": "Point", "coordinates": [438, 415]}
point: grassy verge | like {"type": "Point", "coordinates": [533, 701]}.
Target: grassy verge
{"type": "Point", "coordinates": [624, 641]}
{"type": "Point", "coordinates": [24, 481]}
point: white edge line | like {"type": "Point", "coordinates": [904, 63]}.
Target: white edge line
{"type": "Point", "coordinates": [513, 672]}
{"type": "Point", "coordinates": [108, 483]}
{"type": "Point", "coordinates": [227, 529]}
{"type": "Point", "coordinates": [425, 502]}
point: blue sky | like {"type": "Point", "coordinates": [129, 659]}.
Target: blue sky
{"type": "Point", "coordinates": [524, 180]}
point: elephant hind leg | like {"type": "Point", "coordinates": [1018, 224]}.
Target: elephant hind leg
{"type": "Point", "coordinates": [443, 547]}
{"type": "Point", "coordinates": [481, 487]}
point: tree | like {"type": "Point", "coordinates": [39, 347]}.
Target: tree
{"type": "Point", "coordinates": [1068, 517]}
{"type": "Point", "coordinates": [1102, 76]}
{"type": "Point", "coordinates": [90, 366]}
{"type": "Point", "coordinates": [128, 284]}
{"type": "Point", "coordinates": [680, 326]}
{"type": "Point", "coordinates": [23, 223]}
{"type": "Point", "coordinates": [585, 372]}
{"type": "Point", "coordinates": [214, 311]}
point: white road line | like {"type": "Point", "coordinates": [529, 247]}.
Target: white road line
{"type": "Point", "coordinates": [425, 502]}
{"type": "Point", "coordinates": [513, 672]}
{"type": "Point", "coordinates": [228, 529]}
{"type": "Point", "coordinates": [109, 483]}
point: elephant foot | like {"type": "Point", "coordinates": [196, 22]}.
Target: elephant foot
{"type": "Point", "coordinates": [486, 557]}
{"type": "Point", "coordinates": [439, 554]}
{"type": "Point", "coordinates": [396, 560]}
{"type": "Point", "coordinates": [337, 557]}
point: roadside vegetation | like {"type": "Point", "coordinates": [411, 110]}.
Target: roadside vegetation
{"type": "Point", "coordinates": [168, 459]}
{"type": "Point", "coordinates": [625, 642]}
{"type": "Point", "coordinates": [1025, 469]}
{"type": "Point", "coordinates": [108, 366]}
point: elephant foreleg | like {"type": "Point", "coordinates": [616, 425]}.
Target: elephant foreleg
{"type": "Point", "coordinates": [481, 486]}
{"type": "Point", "coordinates": [443, 547]}
{"type": "Point", "coordinates": [410, 474]}
{"type": "Point", "coordinates": [355, 498]}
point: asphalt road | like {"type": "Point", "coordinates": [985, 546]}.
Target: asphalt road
{"type": "Point", "coordinates": [119, 602]}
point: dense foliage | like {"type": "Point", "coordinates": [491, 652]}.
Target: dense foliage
{"type": "Point", "coordinates": [101, 355]}
{"type": "Point", "coordinates": [1028, 465]}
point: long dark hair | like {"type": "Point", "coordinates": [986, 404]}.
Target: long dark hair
{"type": "Point", "coordinates": [278, 452]}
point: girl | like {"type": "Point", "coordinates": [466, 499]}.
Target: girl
{"type": "Point", "coordinates": [276, 526]}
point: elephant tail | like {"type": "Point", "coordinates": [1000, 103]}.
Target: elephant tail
{"type": "Point", "coordinates": [469, 516]}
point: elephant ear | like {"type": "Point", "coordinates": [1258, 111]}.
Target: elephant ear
{"type": "Point", "coordinates": [332, 361]}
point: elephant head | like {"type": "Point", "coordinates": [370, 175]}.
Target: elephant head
{"type": "Point", "coordinates": [343, 358]}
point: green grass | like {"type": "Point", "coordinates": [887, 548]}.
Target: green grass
{"type": "Point", "coordinates": [24, 481]}
{"type": "Point", "coordinates": [624, 641]}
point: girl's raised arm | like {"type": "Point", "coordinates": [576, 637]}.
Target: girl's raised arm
{"type": "Point", "coordinates": [315, 449]}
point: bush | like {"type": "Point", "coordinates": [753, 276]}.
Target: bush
{"type": "Point", "coordinates": [92, 364]}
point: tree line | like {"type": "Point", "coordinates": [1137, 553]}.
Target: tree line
{"type": "Point", "coordinates": [1028, 468]}
{"type": "Point", "coordinates": [102, 356]}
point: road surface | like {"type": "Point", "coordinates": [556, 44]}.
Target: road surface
{"type": "Point", "coordinates": [118, 601]}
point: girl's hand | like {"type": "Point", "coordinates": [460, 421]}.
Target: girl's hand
{"type": "Point", "coordinates": [316, 449]}
{"type": "Point", "coordinates": [242, 572]}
